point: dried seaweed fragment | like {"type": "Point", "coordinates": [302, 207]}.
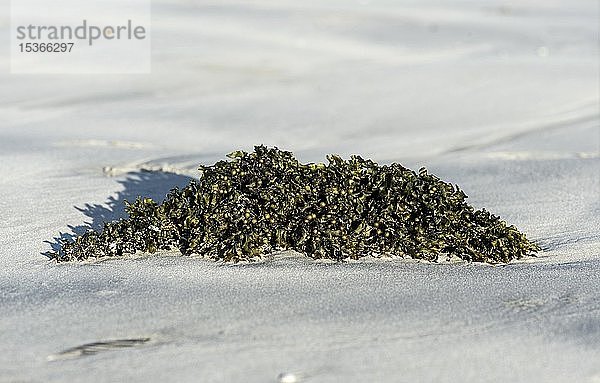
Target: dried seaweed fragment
{"type": "Point", "coordinates": [260, 202]}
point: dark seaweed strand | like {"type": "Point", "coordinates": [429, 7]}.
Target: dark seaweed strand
{"type": "Point", "coordinates": [260, 202]}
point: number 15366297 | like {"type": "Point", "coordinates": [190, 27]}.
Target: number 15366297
{"type": "Point", "coordinates": [46, 47]}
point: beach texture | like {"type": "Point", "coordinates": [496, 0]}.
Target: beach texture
{"type": "Point", "coordinates": [499, 98]}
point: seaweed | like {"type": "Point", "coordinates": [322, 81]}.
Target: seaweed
{"type": "Point", "coordinates": [257, 203]}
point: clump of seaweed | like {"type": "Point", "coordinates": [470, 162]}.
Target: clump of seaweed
{"type": "Point", "coordinates": [265, 201]}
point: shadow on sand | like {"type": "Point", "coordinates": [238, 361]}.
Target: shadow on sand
{"type": "Point", "coordinates": [155, 185]}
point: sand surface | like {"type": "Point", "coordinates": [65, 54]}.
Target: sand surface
{"type": "Point", "coordinates": [498, 97]}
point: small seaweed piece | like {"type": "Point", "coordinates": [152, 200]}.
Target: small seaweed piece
{"type": "Point", "coordinates": [97, 347]}
{"type": "Point", "coordinates": [257, 203]}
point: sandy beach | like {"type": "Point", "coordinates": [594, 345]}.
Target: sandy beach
{"type": "Point", "coordinates": [501, 98]}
